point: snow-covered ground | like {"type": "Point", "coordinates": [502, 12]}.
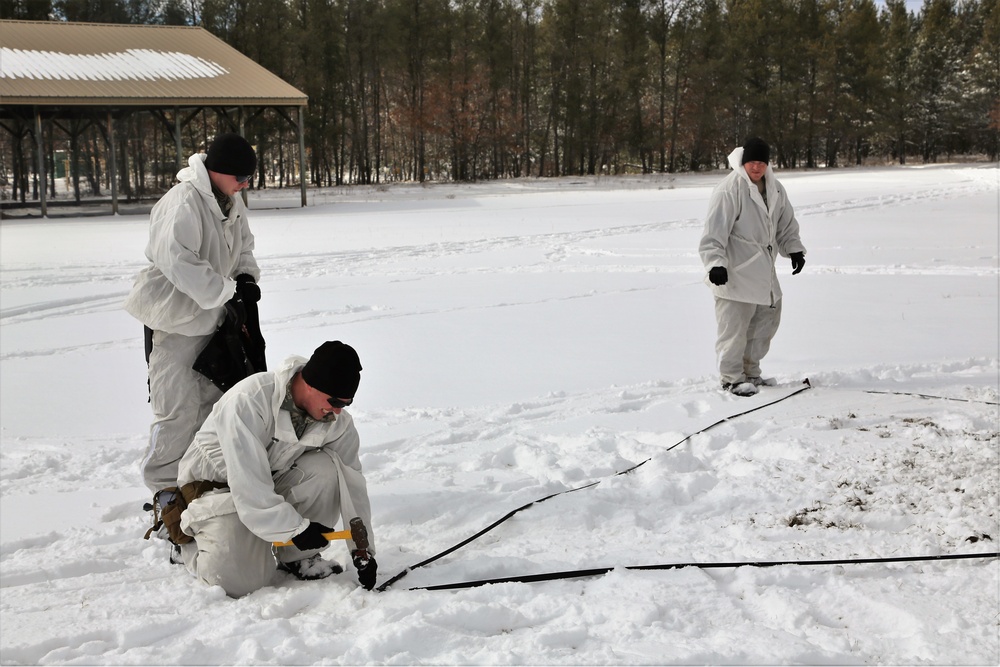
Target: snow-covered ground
{"type": "Point", "coordinates": [520, 339]}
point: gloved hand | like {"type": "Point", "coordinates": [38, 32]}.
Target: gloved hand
{"type": "Point", "coordinates": [246, 288]}
{"type": "Point", "coordinates": [236, 312]}
{"type": "Point", "coordinates": [718, 275]}
{"type": "Point", "coordinates": [367, 569]}
{"type": "Point", "coordinates": [798, 261]}
{"type": "Point", "coordinates": [312, 537]}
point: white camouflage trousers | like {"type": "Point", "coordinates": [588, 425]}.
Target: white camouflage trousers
{"type": "Point", "coordinates": [225, 553]}
{"type": "Point", "coordinates": [745, 331]}
{"type": "Point", "coordinates": [181, 399]}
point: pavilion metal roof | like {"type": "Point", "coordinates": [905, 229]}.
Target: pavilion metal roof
{"type": "Point", "coordinates": [121, 65]}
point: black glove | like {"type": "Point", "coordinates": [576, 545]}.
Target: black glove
{"type": "Point", "coordinates": [718, 275]}
{"type": "Point", "coordinates": [236, 312]}
{"type": "Point", "coordinates": [246, 288]}
{"type": "Point", "coordinates": [798, 261]}
{"type": "Point", "coordinates": [312, 537]}
{"type": "Point", "coordinates": [367, 569]}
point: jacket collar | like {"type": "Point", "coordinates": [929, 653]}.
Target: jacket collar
{"type": "Point", "coordinates": [736, 162]}
{"type": "Point", "coordinates": [197, 175]}
{"type": "Point", "coordinates": [284, 373]}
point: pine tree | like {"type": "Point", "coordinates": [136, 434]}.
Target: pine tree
{"type": "Point", "coordinates": [899, 31]}
{"type": "Point", "coordinates": [26, 10]}
{"type": "Point", "coordinates": [984, 66]}
{"type": "Point", "coordinates": [936, 85]}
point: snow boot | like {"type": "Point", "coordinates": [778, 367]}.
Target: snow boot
{"type": "Point", "coordinates": [740, 388]}
{"type": "Point", "coordinates": [175, 555]}
{"type": "Point", "coordinates": [762, 382]}
{"type": "Point", "coordinates": [313, 567]}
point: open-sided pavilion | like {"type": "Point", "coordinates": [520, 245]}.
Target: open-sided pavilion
{"type": "Point", "coordinates": [76, 75]}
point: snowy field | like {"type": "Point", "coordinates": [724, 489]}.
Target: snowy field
{"type": "Point", "coordinates": [521, 339]}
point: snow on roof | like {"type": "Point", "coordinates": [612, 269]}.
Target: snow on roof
{"type": "Point", "coordinates": [55, 62]}
{"type": "Point", "coordinates": [121, 65]}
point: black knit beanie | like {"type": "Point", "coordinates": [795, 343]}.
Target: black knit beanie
{"type": "Point", "coordinates": [334, 369]}
{"type": "Point", "coordinates": [756, 150]}
{"type": "Point", "coordinates": [231, 154]}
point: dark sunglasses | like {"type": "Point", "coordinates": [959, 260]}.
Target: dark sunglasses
{"type": "Point", "coordinates": [243, 179]}
{"type": "Point", "coordinates": [337, 403]}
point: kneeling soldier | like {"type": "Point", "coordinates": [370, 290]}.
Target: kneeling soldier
{"type": "Point", "coordinates": [277, 461]}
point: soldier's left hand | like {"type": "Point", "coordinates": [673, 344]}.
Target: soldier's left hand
{"type": "Point", "coordinates": [798, 261]}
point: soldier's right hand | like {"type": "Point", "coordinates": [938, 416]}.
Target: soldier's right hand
{"type": "Point", "coordinates": [246, 288]}
{"type": "Point", "coordinates": [718, 275]}
{"type": "Point", "coordinates": [312, 537]}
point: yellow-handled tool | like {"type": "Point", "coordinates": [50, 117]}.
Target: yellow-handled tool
{"type": "Point", "coordinates": [335, 535]}
{"type": "Point", "coordinates": [357, 532]}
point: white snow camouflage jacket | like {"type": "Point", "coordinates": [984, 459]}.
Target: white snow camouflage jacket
{"type": "Point", "coordinates": [195, 252]}
{"type": "Point", "coordinates": [745, 236]}
{"type": "Point", "coordinates": [247, 438]}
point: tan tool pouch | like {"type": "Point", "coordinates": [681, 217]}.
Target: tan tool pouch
{"type": "Point", "coordinates": [169, 514]}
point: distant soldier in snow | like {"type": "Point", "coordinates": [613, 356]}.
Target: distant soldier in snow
{"type": "Point", "coordinates": [749, 223]}
{"type": "Point", "coordinates": [277, 461]}
{"type": "Point", "coordinates": [202, 271]}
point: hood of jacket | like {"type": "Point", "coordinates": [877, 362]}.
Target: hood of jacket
{"type": "Point", "coordinates": [736, 162]}
{"type": "Point", "coordinates": [197, 175]}
{"type": "Point", "coordinates": [282, 375]}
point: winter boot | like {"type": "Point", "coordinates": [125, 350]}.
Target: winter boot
{"type": "Point", "coordinates": [313, 567]}
{"type": "Point", "coordinates": [740, 388]}
{"type": "Point", "coordinates": [762, 382]}
{"type": "Point", "coordinates": [175, 555]}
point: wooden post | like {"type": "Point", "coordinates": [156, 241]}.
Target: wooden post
{"type": "Point", "coordinates": [113, 163]}
{"type": "Point", "coordinates": [252, 176]}
{"type": "Point", "coordinates": [177, 138]}
{"type": "Point", "coordinates": [41, 163]}
{"type": "Point", "coordinates": [302, 154]}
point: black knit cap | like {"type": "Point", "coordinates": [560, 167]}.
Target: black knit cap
{"type": "Point", "coordinates": [231, 154]}
{"type": "Point", "coordinates": [334, 369]}
{"type": "Point", "coordinates": [756, 150]}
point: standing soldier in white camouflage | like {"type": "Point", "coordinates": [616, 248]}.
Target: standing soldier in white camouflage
{"type": "Point", "coordinates": [201, 271]}
{"type": "Point", "coordinates": [750, 222]}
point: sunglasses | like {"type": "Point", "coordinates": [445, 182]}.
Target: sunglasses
{"type": "Point", "coordinates": [337, 403]}
{"type": "Point", "coordinates": [243, 179]}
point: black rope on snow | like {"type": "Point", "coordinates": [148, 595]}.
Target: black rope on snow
{"type": "Point", "coordinates": [940, 398]}
{"type": "Point", "coordinates": [390, 582]}
{"type": "Point", "coordinates": [806, 385]}
{"type": "Point", "coordinates": [485, 530]}
{"type": "Point", "coordinates": [573, 574]}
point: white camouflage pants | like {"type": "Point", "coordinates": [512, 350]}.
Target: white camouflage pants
{"type": "Point", "coordinates": [745, 331]}
{"type": "Point", "coordinates": [181, 399]}
{"type": "Point", "coordinates": [225, 553]}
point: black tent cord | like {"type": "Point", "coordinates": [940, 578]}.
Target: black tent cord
{"type": "Point", "coordinates": [940, 398]}
{"type": "Point", "coordinates": [669, 566]}
{"type": "Point", "coordinates": [571, 574]}
{"type": "Point", "coordinates": [390, 582]}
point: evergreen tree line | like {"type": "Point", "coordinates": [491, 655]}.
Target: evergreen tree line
{"type": "Point", "coordinates": [483, 89]}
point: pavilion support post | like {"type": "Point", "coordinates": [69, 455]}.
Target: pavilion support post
{"type": "Point", "coordinates": [40, 144]}
{"type": "Point", "coordinates": [113, 163]}
{"type": "Point", "coordinates": [177, 138]}
{"type": "Point", "coordinates": [243, 134]}
{"type": "Point", "coordinates": [302, 154]}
